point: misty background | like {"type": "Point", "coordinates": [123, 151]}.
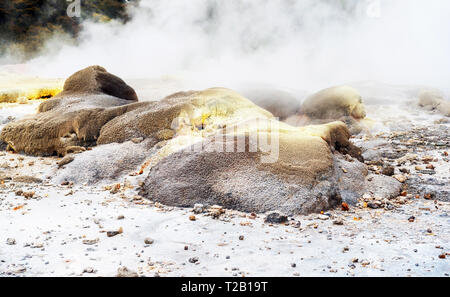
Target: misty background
{"type": "Point", "coordinates": [303, 44]}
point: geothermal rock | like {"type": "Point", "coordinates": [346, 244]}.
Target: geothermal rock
{"type": "Point", "coordinates": [96, 80]}
{"type": "Point", "coordinates": [202, 111]}
{"type": "Point", "coordinates": [209, 147]}
{"type": "Point", "coordinates": [338, 103]}
{"type": "Point", "coordinates": [104, 163]}
{"type": "Point", "coordinates": [434, 101]}
{"type": "Point", "coordinates": [334, 103]}
{"type": "Point", "coordinates": [383, 186]}
{"type": "Point", "coordinates": [351, 178]}
{"type": "Point", "coordinates": [299, 179]}
{"type": "Point", "coordinates": [229, 152]}
{"type": "Point", "coordinates": [91, 98]}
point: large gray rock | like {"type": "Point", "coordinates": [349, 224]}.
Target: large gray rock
{"type": "Point", "coordinates": [105, 163]}
{"type": "Point", "coordinates": [306, 178]}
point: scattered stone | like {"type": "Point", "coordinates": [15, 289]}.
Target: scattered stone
{"type": "Point", "coordinates": [121, 217]}
{"type": "Point", "coordinates": [428, 172]}
{"type": "Point", "coordinates": [10, 241]}
{"type": "Point", "coordinates": [137, 139]}
{"type": "Point", "coordinates": [66, 160]}
{"type": "Point", "coordinates": [241, 237]}
{"type": "Point", "coordinates": [345, 206]}
{"type": "Point", "coordinates": [198, 208]}
{"type": "Point", "coordinates": [389, 171]}
{"type": "Point", "coordinates": [216, 211]}
{"type": "Point", "coordinates": [411, 219]}
{"type": "Point", "coordinates": [442, 256]}
{"type": "Point", "coordinates": [125, 272]}
{"type": "Point", "coordinates": [90, 241]}
{"type": "Point", "coordinates": [27, 179]}
{"type": "Point", "coordinates": [114, 233]}
{"type": "Point", "coordinates": [276, 218]}
{"type": "Point", "coordinates": [429, 196]}
{"type": "Point", "coordinates": [88, 270]}
{"type": "Point", "coordinates": [193, 260]}
{"type": "Point", "coordinates": [373, 205]}
{"type": "Point", "coordinates": [297, 224]}
{"type": "Point", "coordinates": [192, 218]}
{"type": "Point", "coordinates": [323, 217]}
{"type": "Point", "coordinates": [148, 240]}
{"type": "Point", "coordinates": [20, 269]}
{"type": "Point", "coordinates": [400, 178]}
{"type": "Point", "coordinates": [404, 170]}
{"type": "Point", "coordinates": [338, 222]}
{"type": "Point", "coordinates": [28, 195]}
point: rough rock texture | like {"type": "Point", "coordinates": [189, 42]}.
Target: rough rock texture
{"type": "Point", "coordinates": [104, 163]}
{"type": "Point", "coordinates": [195, 110]}
{"type": "Point", "coordinates": [301, 180]}
{"type": "Point", "coordinates": [351, 178]}
{"type": "Point", "coordinates": [91, 98]}
{"type": "Point", "coordinates": [382, 186]}
{"type": "Point", "coordinates": [210, 147]}
{"type": "Point", "coordinates": [334, 103]}
{"type": "Point", "coordinates": [96, 80]}
{"type": "Point", "coordinates": [240, 181]}
{"type": "Point", "coordinates": [434, 101]}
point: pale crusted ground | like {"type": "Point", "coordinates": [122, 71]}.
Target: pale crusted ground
{"type": "Point", "coordinates": [62, 230]}
{"type": "Point", "coordinates": [50, 232]}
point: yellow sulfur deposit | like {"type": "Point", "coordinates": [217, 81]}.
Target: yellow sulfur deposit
{"type": "Point", "coordinates": [18, 88]}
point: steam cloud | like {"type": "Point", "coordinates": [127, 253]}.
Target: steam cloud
{"type": "Point", "coordinates": [306, 44]}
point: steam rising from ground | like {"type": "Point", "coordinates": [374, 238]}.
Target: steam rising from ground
{"type": "Point", "coordinates": [307, 44]}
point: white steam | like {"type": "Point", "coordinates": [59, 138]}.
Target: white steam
{"type": "Point", "coordinates": [304, 44]}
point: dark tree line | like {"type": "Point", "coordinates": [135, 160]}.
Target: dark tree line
{"type": "Point", "coordinates": [26, 24]}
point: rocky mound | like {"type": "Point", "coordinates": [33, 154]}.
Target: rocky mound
{"type": "Point", "coordinates": [334, 103]}
{"type": "Point", "coordinates": [211, 147]}
{"type": "Point", "coordinates": [433, 100]}
{"type": "Point", "coordinates": [96, 80]}
{"type": "Point", "coordinates": [198, 112]}
{"type": "Point", "coordinates": [302, 174]}
{"type": "Point", "coordinates": [72, 118]}
{"type": "Point", "coordinates": [342, 103]}
{"type": "Point", "coordinates": [229, 152]}
{"type": "Point", "coordinates": [104, 163]}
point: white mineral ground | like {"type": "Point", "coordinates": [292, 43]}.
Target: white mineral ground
{"type": "Point", "coordinates": [62, 230]}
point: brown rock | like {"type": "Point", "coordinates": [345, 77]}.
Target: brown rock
{"type": "Point", "coordinates": [73, 118]}
{"type": "Point", "coordinates": [334, 103]}
{"type": "Point", "coordinates": [125, 272]}
{"type": "Point", "coordinates": [389, 171]}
